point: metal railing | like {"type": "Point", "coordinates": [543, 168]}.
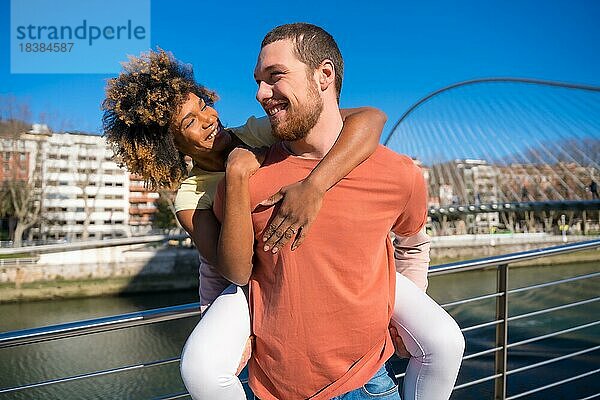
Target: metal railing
{"type": "Point", "coordinates": [501, 323]}
{"type": "Point", "coordinates": [10, 262]}
{"type": "Point", "coordinates": [89, 244]}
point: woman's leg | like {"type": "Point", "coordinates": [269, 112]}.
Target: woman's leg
{"type": "Point", "coordinates": [213, 351]}
{"type": "Point", "coordinates": [433, 339]}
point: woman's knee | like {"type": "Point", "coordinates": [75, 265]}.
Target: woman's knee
{"type": "Point", "coordinates": [446, 341]}
{"type": "Point", "coordinates": [197, 365]}
{"type": "Point", "coordinates": [441, 339]}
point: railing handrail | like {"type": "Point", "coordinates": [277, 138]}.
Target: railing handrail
{"type": "Point", "coordinates": [96, 325]}
{"type": "Point", "coordinates": [89, 244]}
{"type": "Point", "coordinates": [18, 261]}
{"type": "Point", "coordinates": [510, 258]}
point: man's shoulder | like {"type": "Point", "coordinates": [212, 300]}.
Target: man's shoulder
{"type": "Point", "coordinates": [278, 169]}
{"type": "Point", "coordinates": [391, 162]}
{"type": "Point", "coordinates": [275, 154]}
{"type": "Point", "coordinates": [256, 132]}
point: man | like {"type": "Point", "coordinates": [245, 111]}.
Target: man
{"type": "Point", "coordinates": [594, 189]}
{"type": "Point", "coordinates": [321, 312]}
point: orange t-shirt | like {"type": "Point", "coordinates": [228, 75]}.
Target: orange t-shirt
{"type": "Point", "coordinates": [320, 314]}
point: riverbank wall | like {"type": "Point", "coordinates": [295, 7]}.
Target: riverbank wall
{"type": "Point", "coordinates": [96, 272]}
{"type": "Point", "coordinates": [135, 268]}
{"type": "Point", "coordinates": [446, 249]}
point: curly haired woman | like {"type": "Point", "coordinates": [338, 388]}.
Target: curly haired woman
{"type": "Point", "coordinates": [155, 114]}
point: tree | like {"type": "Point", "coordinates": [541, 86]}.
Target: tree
{"type": "Point", "coordinates": [20, 187]}
{"type": "Point", "coordinates": [21, 203]}
{"type": "Point", "coordinates": [164, 218]}
{"type": "Point", "coordinates": [85, 177]}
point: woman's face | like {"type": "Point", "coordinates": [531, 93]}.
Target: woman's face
{"type": "Point", "coordinates": [197, 129]}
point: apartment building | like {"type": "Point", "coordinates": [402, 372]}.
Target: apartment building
{"type": "Point", "coordinates": [82, 192]}
{"type": "Point", "coordinates": [86, 194]}
{"type": "Point", "coordinates": [142, 205]}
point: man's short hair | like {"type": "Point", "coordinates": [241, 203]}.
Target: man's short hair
{"type": "Point", "coordinates": [138, 110]}
{"type": "Point", "coordinates": [312, 45]}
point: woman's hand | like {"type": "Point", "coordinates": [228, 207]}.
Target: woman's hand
{"type": "Point", "coordinates": [398, 343]}
{"type": "Point", "coordinates": [300, 205]}
{"type": "Point", "coordinates": [245, 162]}
{"type": "Point", "coordinates": [245, 355]}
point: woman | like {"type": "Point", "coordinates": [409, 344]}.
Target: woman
{"type": "Point", "coordinates": [155, 114]}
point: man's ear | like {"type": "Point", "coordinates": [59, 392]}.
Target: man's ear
{"type": "Point", "coordinates": [326, 73]}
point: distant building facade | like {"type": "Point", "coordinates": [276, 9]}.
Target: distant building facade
{"type": "Point", "coordinates": [535, 182]}
{"type": "Point", "coordinates": [86, 194]}
{"type": "Point", "coordinates": [83, 193]}
{"type": "Point", "coordinates": [142, 206]}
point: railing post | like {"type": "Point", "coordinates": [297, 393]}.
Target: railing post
{"type": "Point", "coordinates": [501, 332]}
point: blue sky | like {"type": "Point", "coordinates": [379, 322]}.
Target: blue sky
{"type": "Point", "coordinates": [395, 51]}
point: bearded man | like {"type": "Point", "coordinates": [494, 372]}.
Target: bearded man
{"type": "Point", "coordinates": [320, 313]}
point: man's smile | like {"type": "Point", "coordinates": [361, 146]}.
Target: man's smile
{"type": "Point", "coordinates": [274, 107]}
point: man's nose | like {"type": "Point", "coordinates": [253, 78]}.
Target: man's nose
{"type": "Point", "coordinates": [264, 92]}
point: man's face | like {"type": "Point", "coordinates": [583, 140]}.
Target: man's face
{"type": "Point", "coordinates": [287, 91]}
{"type": "Point", "coordinates": [197, 128]}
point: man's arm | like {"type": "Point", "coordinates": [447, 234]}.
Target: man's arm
{"type": "Point", "coordinates": [236, 241]}
{"type": "Point", "coordinates": [302, 200]}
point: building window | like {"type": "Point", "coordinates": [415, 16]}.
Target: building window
{"type": "Point", "coordinates": [86, 158]}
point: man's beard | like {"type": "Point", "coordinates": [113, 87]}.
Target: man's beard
{"type": "Point", "coordinates": [297, 124]}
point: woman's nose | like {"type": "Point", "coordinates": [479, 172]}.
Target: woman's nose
{"type": "Point", "coordinates": [208, 117]}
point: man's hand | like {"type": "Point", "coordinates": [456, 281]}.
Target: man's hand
{"type": "Point", "coordinates": [300, 205]}
{"type": "Point", "coordinates": [398, 343]}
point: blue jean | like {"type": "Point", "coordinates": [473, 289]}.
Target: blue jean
{"type": "Point", "coordinates": [383, 386]}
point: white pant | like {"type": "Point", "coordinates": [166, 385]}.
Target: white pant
{"type": "Point", "coordinates": [433, 340]}
{"type": "Point", "coordinates": [213, 351]}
